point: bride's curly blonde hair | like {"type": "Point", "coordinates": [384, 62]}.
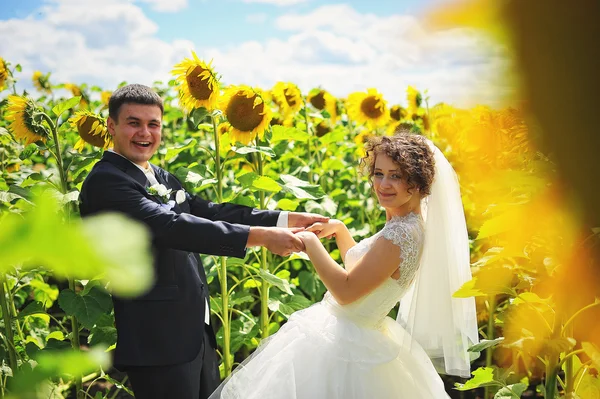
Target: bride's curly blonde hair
{"type": "Point", "coordinates": [410, 152]}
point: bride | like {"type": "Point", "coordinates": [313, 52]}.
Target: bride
{"type": "Point", "coordinates": [346, 346]}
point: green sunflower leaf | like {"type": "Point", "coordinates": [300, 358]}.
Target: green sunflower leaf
{"type": "Point", "coordinates": [287, 204]}
{"type": "Point", "coordinates": [511, 391]}
{"type": "Point", "coordinates": [268, 151]}
{"type": "Point", "coordinates": [172, 152]}
{"type": "Point", "coordinates": [28, 152]}
{"type": "Point", "coordinates": [280, 283]}
{"type": "Point", "coordinates": [483, 376]}
{"type": "Point", "coordinates": [86, 308]}
{"type": "Point", "coordinates": [485, 344]}
{"type": "Point", "coordinates": [281, 133]}
{"type": "Point", "coordinates": [61, 107]}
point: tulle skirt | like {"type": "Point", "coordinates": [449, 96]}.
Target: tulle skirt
{"type": "Point", "coordinates": [322, 353]}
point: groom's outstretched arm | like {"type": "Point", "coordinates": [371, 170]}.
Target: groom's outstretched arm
{"type": "Point", "coordinates": [106, 191]}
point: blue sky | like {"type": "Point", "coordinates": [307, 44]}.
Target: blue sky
{"type": "Point", "coordinates": [343, 46]}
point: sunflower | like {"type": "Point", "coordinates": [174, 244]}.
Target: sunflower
{"type": "Point", "coordinates": [247, 113]}
{"type": "Point", "coordinates": [322, 128]}
{"type": "Point", "coordinates": [3, 73]}
{"type": "Point", "coordinates": [21, 113]}
{"type": "Point", "coordinates": [398, 113]}
{"type": "Point", "coordinates": [322, 100]}
{"type": "Point", "coordinates": [360, 140]}
{"type": "Point", "coordinates": [105, 97]}
{"type": "Point", "coordinates": [414, 100]}
{"type": "Point", "coordinates": [198, 84]}
{"type": "Point", "coordinates": [91, 128]}
{"type": "Point", "coordinates": [76, 91]}
{"type": "Point", "coordinates": [369, 108]}
{"type": "Point", "coordinates": [288, 97]}
{"type": "Point", "coordinates": [42, 82]}
{"type": "Point", "coordinates": [223, 128]}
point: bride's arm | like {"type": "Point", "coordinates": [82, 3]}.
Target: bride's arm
{"type": "Point", "coordinates": [371, 271]}
{"type": "Point", "coordinates": [343, 238]}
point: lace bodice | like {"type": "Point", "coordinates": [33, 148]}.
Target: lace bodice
{"type": "Point", "coordinates": [406, 232]}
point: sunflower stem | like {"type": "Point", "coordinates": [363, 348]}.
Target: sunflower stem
{"type": "Point", "coordinates": [75, 343]}
{"type": "Point", "coordinates": [489, 352]}
{"type": "Point", "coordinates": [310, 173]}
{"type": "Point", "coordinates": [264, 288]}
{"type": "Point", "coordinates": [57, 153]}
{"type": "Point", "coordinates": [10, 340]}
{"type": "Point", "coordinates": [226, 354]}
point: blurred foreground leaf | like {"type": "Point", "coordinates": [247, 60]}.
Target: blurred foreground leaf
{"type": "Point", "coordinates": [110, 246]}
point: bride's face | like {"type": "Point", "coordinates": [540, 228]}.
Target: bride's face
{"type": "Point", "coordinates": [391, 187]}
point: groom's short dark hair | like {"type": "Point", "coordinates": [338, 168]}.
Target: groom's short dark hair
{"type": "Point", "coordinates": [132, 94]}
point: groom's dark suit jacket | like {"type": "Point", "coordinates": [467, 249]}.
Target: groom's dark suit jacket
{"type": "Point", "coordinates": [166, 325]}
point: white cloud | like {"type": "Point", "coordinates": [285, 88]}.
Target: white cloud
{"type": "Point", "coordinates": [353, 51]}
{"type": "Point", "coordinates": [167, 5]}
{"type": "Point", "coordinates": [97, 42]}
{"type": "Point", "coordinates": [277, 2]}
{"type": "Point", "coordinates": [105, 42]}
{"type": "Point", "coordinates": [258, 19]}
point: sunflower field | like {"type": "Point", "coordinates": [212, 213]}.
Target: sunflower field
{"type": "Point", "coordinates": [535, 275]}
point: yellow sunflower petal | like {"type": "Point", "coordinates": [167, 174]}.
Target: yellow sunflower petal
{"type": "Point", "coordinates": [288, 97]}
{"type": "Point", "coordinates": [246, 112]}
{"type": "Point", "coordinates": [198, 85]}
{"type": "Point", "coordinates": [368, 108]}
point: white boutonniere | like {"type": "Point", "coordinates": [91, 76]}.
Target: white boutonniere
{"type": "Point", "coordinates": [160, 191]}
{"type": "Point", "coordinates": [180, 196]}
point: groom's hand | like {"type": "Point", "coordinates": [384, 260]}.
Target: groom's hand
{"type": "Point", "coordinates": [280, 241]}
{"type": "Point", "coordinates": [305, 219]}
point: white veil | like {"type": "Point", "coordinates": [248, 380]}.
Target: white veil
{"type": "Point", "coordinates": [444, 326]}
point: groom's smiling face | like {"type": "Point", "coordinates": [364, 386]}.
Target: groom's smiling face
{"type": "Point", "coordinates": [137, 132]}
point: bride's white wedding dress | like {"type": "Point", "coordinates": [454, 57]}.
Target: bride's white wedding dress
{"type": "Point", "coordinates": [355, 351]}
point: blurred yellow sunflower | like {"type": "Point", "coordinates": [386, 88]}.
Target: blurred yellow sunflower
{"type": "Point", "coordinates": [288, 97]}
{"type": "Point", "coordinates": [414, 99]}
{"type": "Point", "coordinates": [21, 115]}
{"type": "Point", "coordinates": [369, 108]}
{"type": "Point", "coordinates": [105, 97]}
{"type": "Point", "coordinates": [398, 113]}
{"type": "Point", "coordinates": [42, 82]}
{"type": "Point", "coordinates": [323, 100]}
{"type": "Point", "coordinates": [223, 128]}
{"type": "Point", "coordinates": [247, 113]}
{"type": "Point", "coordinates": [322, 128]}
{"type": "Point", "coordinates": [198, 84]}
{"type": "Point", "coordinates": [360, 140]}
{"type": "Point", "coordinates": [76, 91]}
{"type": "Point", "coordinates": [3, 73]}
{"type": "Point", "coordinates": [92, 129]}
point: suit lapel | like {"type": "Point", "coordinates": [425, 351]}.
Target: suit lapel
{"type": "Point", "coordinates": [126, 166]}
{"type": "Point", "coordinates": [158, 173]}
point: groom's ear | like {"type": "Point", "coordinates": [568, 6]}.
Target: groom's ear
{"type": "Point", "coordinates": [110, 125]}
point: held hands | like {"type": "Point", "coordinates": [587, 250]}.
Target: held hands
{"type": "Point", "coordinates": [281, 241]}
{"type": "Point", "coordinates": [328, 229]}
{"type": "Point", "coordinates": [305, 219]}
{"type": "Point", "coordinates": [311, 235]}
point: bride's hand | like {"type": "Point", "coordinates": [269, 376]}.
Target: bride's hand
{"type": "Point", "coordinates": [328, 229]}
{"type": "Point", "coordinates": [307, 238]}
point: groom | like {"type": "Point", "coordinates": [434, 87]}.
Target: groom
{"type": "Point", "coordinates": [165, 340]}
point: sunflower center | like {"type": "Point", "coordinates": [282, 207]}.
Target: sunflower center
{"type": "Point", "coordinates": [290, 98]}
{"type": "Point", "coordinates": [85, 132]}
{"type": "Point", "coordinates": [242, 114]}
{"type": "Point", "coordinates": [396, 113]}
{"type": "Point", "coordinates": [370, 107]}
{"type": "Point", "coordinates": [199, 88]}
{"type": "Point", "coordinates": [318, 101]}
{"type": "Point", "coordinates": [322, 129]}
